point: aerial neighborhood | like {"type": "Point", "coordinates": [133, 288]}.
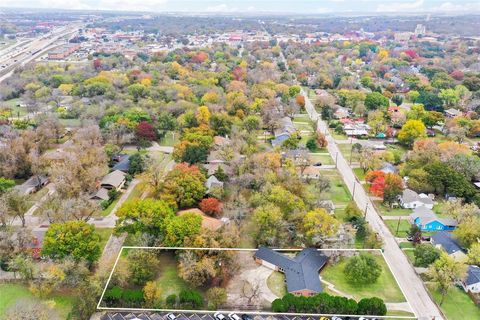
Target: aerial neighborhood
{"type": "Point", "coordinates": [237, 166]}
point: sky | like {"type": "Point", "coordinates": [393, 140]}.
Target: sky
{"type": "Point", "coordinates": [241, 6]}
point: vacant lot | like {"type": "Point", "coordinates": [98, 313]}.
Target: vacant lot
{"type": "Point", "coordinates": [457, 304]}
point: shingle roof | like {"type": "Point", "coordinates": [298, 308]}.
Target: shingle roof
{"type": "Point", "coordinates": [445, 240]}
{"type": "Point", "coordinates": [411, 196]}
{"type": "Point", "coordinates": [426, 216]}
{"type": "Point", "coordinates": [301, 272]}
{"type": "Point", "coordinates": [473, 275]}
{"type": "Point", "coordinates": [123, 164]}
{"type": "Point", "coordinates": [114, 178]}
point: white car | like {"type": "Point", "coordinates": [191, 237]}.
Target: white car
{"type": "Point", "coordinates": [233, 316]}
{"type": "Point", "coordinates": [336, 318]}
{"type": "Point", "coordinates": [171, 316]}
{"type": "Point", "coordinates": [219, 316]}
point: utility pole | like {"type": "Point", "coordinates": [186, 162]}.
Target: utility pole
{"type": "Point", "coordinates": [353, 195]}
{"type": "Point", "coordinates": [336, 160]}
{"type": "Point", "coordinates": [398, 226]}
{"type": "Point", "coordinates": [366, 208]}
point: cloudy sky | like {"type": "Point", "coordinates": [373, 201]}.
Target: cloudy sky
{"type": "Point", "coordinates": [296, 6]}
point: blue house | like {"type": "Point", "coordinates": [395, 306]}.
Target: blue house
{"type": "Point", "coordinates": [427, 220]}
{"type": "Point", "coordinates": [444, 240]}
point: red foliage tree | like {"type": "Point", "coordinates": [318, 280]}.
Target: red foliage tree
{"type": "Point", "coordinates": [146, 131]}
{"type": "Point", "coordinates": [411, 53]}
{"type": "Point", "coordinates": [376, 179]}
{"type": "Point", "coordinates": [239, 73]}
{"type": "Point", "coordinates": [457, 74]}
{"type": "Point", "coordinates": [211, 206]}
{"type": "Point", "coordinates": [200, 57]}
{"type": "Point", "coordinates": [97, 64]}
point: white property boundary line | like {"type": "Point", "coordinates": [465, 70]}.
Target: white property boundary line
{"type": "Point", "coordinates": [246, 311]}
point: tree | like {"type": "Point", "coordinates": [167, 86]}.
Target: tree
{"type": "Point", "coordinates": [216, 297]}
{"type": "Point", "coordinates": [23, 264]}
{"type": "Point", "coordinates": [30, 309]}
{"type": "Point", "coordinates": [393, 188]}
{"type": "Point", "coordinates": [145, 216]}
{"type": "Point", "coordinates": [77, 239]}
{"type": "Point", "coordinates": [211, 206]}
{"type": "Point", "coordinates": [362, 269]}
{"type": "Point", "coordinates": [312, 144]}
{"type": "Point", "coordinates": [177, 228]}
{"type": "Point", "coordinates": [250, 291]}
{"type": "Point", "coordinates": [16, 204]}
{"type": "Point", "coordinates": [321, 140]}
{"type": "Point", "coordinates": [474, 254]}
{"type": "Point", "coordinates": [185, 184]}
{"type": "Point", "coordinates": [318, 224]}
{"type": "Point", "coordinates": [468, 231]}
{"type": "Point", "coordinates": [445, 271]}
{"type": "Point", "coordinates": [425, 254]}
{"type": "Point", "coordinates": [375, 100]}
{"type": "Point", "coordinates": [203, 114]}
{"type": "Point", "coordinates": [142, 264]}
{"type": "Point", "coordinates": [415, 233]}
{"type": "Point", "coordinates": [151, 293]}
{"type": "Point", "coordinates": [397, 99]}
{"type": "Point", "coordinates": [433, 118]}
{"type": "Point", "coordinates": [411, 130]}
{"type": "Point", "coordinates": [269, 226]}
{"type": "Point", "coordinates": [146, 131]}
{"type": "Point", "coordinates": [372, 306]}
{"type": "Point", "coordinates": [6, 184]}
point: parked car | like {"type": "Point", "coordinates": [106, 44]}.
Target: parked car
{"type": "Point", "coordinates": [426, 238]}
{"type": "Point", "coordinates": [336, 318]}
{"type": "Point", "coordinates": [219, 316]}
{"type": "Point", "coordinates": [233, 316]}
{"type": "Point", "coordinates": [246, 317]}
{"type": "Point", "coordinates": [318, 164]}
{"type": "Point", "coordinates": [409, 238]}
{"type": "Point", "coordinates": [171, 316]}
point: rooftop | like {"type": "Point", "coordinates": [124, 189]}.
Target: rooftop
{"type": "Point", "coordinates": [301, 272]}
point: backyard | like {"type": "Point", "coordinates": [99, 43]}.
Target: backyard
{"type": "Point", "coordinates": [398, 227]}
{"type": "Point", "coordinates": [457, 304]}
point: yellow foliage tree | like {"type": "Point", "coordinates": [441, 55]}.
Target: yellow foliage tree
{"type": "Point", "coordinates": [318, 223]}
{"type": "Point", "coordinates": [203, 115]}
{"type": "Point", "coordinates": [151, 293]}
{"type": "Point", "coordinates": [383, 54]}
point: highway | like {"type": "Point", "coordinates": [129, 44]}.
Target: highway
{"type": "Point", "coordinates": [26, 51]}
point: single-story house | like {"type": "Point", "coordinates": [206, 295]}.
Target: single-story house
{"type": "Point", "coordinates": [284, 131]}
{"type": "Point", "coordinates": [452, 113]}
{"type": "Point", "coordinates": [471, 283]}
{"type": "Point", "coordinates": [221, 141]}
{"type": "Point", "coordinates": [410, 200]}
{"type": "Point", "coordinates": [311, 172]}
{"type": "Point", "coordinates": [388, 168]}
{"type": "Point", "coordinates": [427, 220]}
{"type": "Point", "coordinates": [101, 194]}
{"type": "Point", "coordinates": [208, 222]}
{"type": "Point", "coordinates": [444, 240]}
{"type": "Point", "coordinates": [213, 182]}
{"type": "Point", "coordinates": [356, 129]}
{"type": "Point", "coordinates": [301, 272]}
{"type": "Point", "coordinates": [341, 113]}
{"type": "Point", "coordinates": [113, 180]}
{"type": "Point", "coordinates": [123, 163]}
{"type": "Point", "coordinates": [278, 140]}
{"type": "Point", "coordinates": [32, 185]}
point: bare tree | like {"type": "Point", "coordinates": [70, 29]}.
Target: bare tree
{"type": "Point", "coordinates": [250, 291]}
{"type": "Point", "coordinates": [30, 309]}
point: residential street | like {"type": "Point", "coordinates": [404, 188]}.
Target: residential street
{"type": "Point", "coordinates": [409, 282]}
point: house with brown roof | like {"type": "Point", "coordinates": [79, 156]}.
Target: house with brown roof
{"type": "Point", "coordinates": [208, 222]}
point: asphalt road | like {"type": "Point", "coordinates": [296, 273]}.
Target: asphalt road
{"type": "Point", "coordinates": [411, 285]}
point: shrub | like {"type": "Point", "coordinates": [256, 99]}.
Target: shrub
{"type": "Point", "coordinates": [372, 306]}
{"type": "Point", "coordinates": [171, 300]}
{"type": "Point", "coordinates": [362, 269]}
{"type": "Point", "coordinates": [113, 294]}
{"type": "Point", "coordinates": [191, 299]}
{"type": "Point", "coordinates": [132, 297]}
{"type": "Point", "coordinates": [278, 306]}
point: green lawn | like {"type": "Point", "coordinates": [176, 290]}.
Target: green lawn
{"type": "Point", "coordinates": [323, 158]}
{"type": "Point", "coordinates": [302, 118]}
{"type": "Point", "coordinates": [276, 284]}
{"type": "Point", "coordinates": [136, 192]}
{"type": "Point", "coordinates": [71, 122]}
{"type": "Point", "coordinates": [338, 192]}
{"type": "Point", "coordinates": [410, 255]}
{"type": "Point", "coordinates": [386, 211]}
{"type": "Point", "coordinates": [109, 209]}
{"type": "Point", "coordinates": [457, 304]}
{"type": "Point", "coordinates": [303, 126]}
{"type": "Point", "coordinates": [359, 173]}
{"type": "Point", "coordinates": [10, 293]}
{"type": "Point", "coordinates": [337, 136]}
{"type": "Point", "coordinates": [403, 228]}
{"type": "Point", "coordinates": [400, 314]}
{"type": "Point", "coordinates": [406, 245]}
{"type": "Point", "coordinates": [12, 105]}
{"type": "Point", "coordinates": [385, 287]}
{"type": "Point", "coordinates": [170, 139]}
{"type": "Point", "coordinates": [104, 236]}
{"type": "Point", "coordinates": [346, 150]}
{"type": "Point", "coordinates": [168, 279]}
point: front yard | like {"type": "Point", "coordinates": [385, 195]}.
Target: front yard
{"type": "Point", "coordinates": [457, 304]}
{"type": "Point", "coordinates": [385, 287]}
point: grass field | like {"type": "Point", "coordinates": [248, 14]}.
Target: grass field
{"type": "Point", "coordinates": [386, 211]}
{"type": "Point", "coordinates": [346, 150]}
{"type": "Point", "coordinates": [457, 304]}
{"type": "Point", "coordinates": [104, 236]}
{"type": "Point", "coordinates": [71, 122]}
{"type": "Point", "coordinates": [359, 173]}
{"type": "Point", "coordinates": [338, 192]}
{"type": "Point", "coordinates": [109, 209]}
{"type": "Point", "coordinates": [403, 228]}
{"type": "Point", "coordinates": [385, 287]}
{"type": "Point", "coordinates": [168, 279]}
{"type": "Point", "coordinates": [276, 284]}
{"type": "Point", "coordinates": [170, 139]}
{"type": "Point", "coordinates": [302, 118]}
{"type": "Point", "coordinates": [10, 293]}
{"type": "Point", "coordinates": [323, 157]}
